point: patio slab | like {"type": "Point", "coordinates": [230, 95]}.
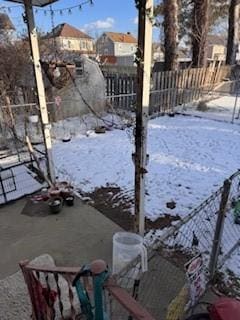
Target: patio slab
{"type": "Point", "coordinates": [76, 236]}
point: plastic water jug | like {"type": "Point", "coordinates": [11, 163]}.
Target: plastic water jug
{"type": "Point", "coordinates": [126, 247]}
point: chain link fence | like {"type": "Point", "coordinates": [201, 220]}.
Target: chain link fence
{"type": "Point", "coordinates": [208, 231]}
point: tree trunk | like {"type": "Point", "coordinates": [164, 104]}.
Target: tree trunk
{"type": "Point", "coordinates": [171, 29]}
{"type": "Point", "coordinates": [233, 32]}
{"type": "Point", "coordinates": [200, 26]}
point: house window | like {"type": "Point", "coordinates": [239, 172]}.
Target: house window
{"type": "Point", "coordinates": [106, 51]}
{"type": "Point", "coordinates": [69, 44]}
{"type": "Point", "coordinates": [79, 68]}
{"type": "Point", "coordinates": [84, 45]}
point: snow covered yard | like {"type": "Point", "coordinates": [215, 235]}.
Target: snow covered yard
{"type": "Point", "coordinates": [189, 159]}
{"type": "Point", "coordinates": [221, 109]}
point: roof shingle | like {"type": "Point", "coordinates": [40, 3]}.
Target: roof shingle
{"type": "Point", "coordinates": [121, 37]}
{"type": "Point", "coordinates": [67, 31]}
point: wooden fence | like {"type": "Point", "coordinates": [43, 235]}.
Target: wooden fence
{"type": "Point", "coordinates": [169, 88]}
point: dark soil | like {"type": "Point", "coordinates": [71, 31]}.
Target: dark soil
{"type": "Point", "coordinates": [176, 255]}
{"type": "Point", "coordinates": [117, 206]}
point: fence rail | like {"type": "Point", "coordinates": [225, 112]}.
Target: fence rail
{"type": "Point", "coordinates": [169, 88]}
{"type": "Point", "coordinates": [54, 294]}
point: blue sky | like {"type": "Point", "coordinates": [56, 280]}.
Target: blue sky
{"type": "Point", "coordinates": [104, 15]}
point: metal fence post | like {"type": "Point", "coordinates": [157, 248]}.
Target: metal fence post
{"type": "Point", "coordinates": [219, 228]}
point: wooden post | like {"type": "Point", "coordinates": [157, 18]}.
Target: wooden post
{"type": "Point", "coordinates": [144, 57]}
{"type": "Point", "coordinates": [40, 86]}
{"type": "Point", "coordinates": [219, 228]}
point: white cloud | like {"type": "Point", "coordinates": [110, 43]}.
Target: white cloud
{"type": "Point", "coordinates": [135, 20]}
{"type": "Point", "coordinates": [108, 23]}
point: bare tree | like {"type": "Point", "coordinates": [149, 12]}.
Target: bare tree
{"type": "Point", "coordinates": [15, 70]}
{"type": "Point", "coordinates": [200, 27]}
{"type": "Point", "coordinates": [171, 28]}
{"type": "Point", "coordinates": [233, 31]}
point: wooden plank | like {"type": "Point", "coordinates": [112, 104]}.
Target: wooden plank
{"type": "Point", "coordinates": [164, 92]}
{"type": "Point", "coordinates": [180, 94]}
{"type": "Point", "coordinates": [169, 90]}
{"type": "Point", "coordinates": [196, 73]}
{"type": "Point", "coordinates": [191, 85]}
{"type": "Point", "coordinates": [175, 100]}
{"type": "Point", "coordinates": [161, 102]}
{"type": "Point", "coordinates": [157, 94]}
{"type": "Point", "coordinates": [200, 80]}
{"type": "Point", "coordinates": [185, 74]}
{"type": "Point", "coordinates": [174, 91]}
{"type": "Point", "coordinates": [187, 78]}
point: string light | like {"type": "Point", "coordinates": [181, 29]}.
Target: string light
{"type": "Point", "coordinates": [70, 9]}
{"type": "Point", "coordinates": [46, 11]}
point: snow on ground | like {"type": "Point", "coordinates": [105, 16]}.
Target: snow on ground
{"type": "Point", "coordinates": [233, 263]}
{"type": "Point", "coordinates": [218, 109]}
{"type": "Point", "coordinates": [189, 159]}
{"type": "Point", "coordinates": [22, 184]}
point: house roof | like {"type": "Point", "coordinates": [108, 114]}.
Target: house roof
{"type": "Point", "coordinates": [67, 31]}
{"type": "Point", "coordinates": [121, 37]}
{"type": "Point", "coordinates": [213, 39]}
{"type": "Point", "coordinates": [5, 22]}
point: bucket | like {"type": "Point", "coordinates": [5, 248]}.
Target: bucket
{"type": "Point", "coordinates": [126, 247]}
{"type": "Point", "coordinates": [69, 201]}
{"type": "Point", "coordinates": [55, 205]}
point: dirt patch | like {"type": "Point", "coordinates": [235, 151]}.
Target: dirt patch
{"type": "Point", "coordinates": [176, 255]}
{"type": "Point", "coordinates": [117, 205]}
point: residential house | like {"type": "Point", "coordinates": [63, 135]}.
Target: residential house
{"type": "Point", "coordinates": [69, 38]}
{"type": "Point", "coordinates": [116, 44]}
{"type": "Point", "coordinates": [216, 47]}
{"type": "Point", "coordinates": [157, 52]}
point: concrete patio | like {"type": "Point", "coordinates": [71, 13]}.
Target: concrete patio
{"type": "Point", "coordinates": [76, 236]}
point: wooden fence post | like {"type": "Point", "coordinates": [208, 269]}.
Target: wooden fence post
{"type": "Point", "coordinates": [219, 228]}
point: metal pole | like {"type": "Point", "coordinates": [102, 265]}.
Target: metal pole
{"type": "Point", "coordinates": [235, 105]}
{"type": "Point", "coordinates": [40, 86]}
{"type": "Point", "coordinates": [238, 115]}
{"type": "Point", "coordinates": [219, 228]}
{"type": "Point", "coordinates": [143, 58]}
